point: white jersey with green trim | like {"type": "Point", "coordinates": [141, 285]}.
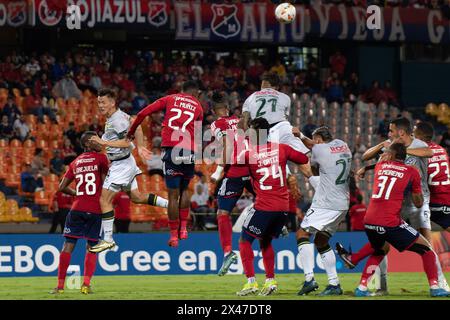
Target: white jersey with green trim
{"type": "Point", "coordinates": [116, 128]}
{"type": "Point", "coordinates": [270, 104]}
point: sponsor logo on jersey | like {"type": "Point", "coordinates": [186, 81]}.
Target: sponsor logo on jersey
{"type": "Point", "coordinates": [339, 149]}
{"type": "Point", "coordinates": [84, 160]}
{"type": "Point", "coordinates": [225, 23]}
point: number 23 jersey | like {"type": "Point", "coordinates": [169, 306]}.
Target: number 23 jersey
{"type": "Point", "coordinates": [87, 170]}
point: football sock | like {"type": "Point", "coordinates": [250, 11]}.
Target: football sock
{"type": "Point", "coordinates": [329, 262]}
{"type": "Point", "coordinates": [158, 201]}
{"type": "Point", "coordinates": [108, 225]}
{"type": "Point", "coordinates": [64, 261]}
{"type": "Point", "coordinates": [430, 266]}
{"type": "Point", "coordinates": [184, 215]}
{"type": "Point", "coordinates": [251, 280]}
{"type": "Point", "coordinates": [269, 261]}
{"type": "Point", "coordinates": [90, 262]}
{"type": "Point", "coordinates": [246, 251]}
{"type": "Point", "coordinates": [174, 226]}
{"type": "Point", "coordinates": [306, 254]}
{"type": "Point", "coordinates": [225, 232]}
{"type": "Point", "coordinates": [369, 269]}
{"type": "Point", "coordinates": [364, 252]}
{"type": "Point", "coordinates": [383, 273]}
{"type": "Point", "coordinates": [441, 276]}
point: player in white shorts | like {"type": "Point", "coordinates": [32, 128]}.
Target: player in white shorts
{"type": "Point", "coordinates": [274, 106]}
{"type": "Point", "coordinates": [329, 207]}
{"type": "Point", "coordinates": [123, 168]}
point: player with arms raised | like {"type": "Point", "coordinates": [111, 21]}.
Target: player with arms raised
{"type": "Point", "coordinates": [267, 163]}
{"type": "Point", "coordinates": [183, 110]}
{"type": "Point", "coordinates": [123, 169]}
{"type": "Point", "coordinates": [85, 217]}
{"type": "Point", "coordinates": [383, 222]}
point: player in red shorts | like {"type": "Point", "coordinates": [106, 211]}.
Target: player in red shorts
{"type": "Point", "coordinates": [384, 225]}
{"type": "Point", "coordinates": [236, 177]}
{"type": "Point", "coordinates": [267, 163]}
{"type": "Point", "coordinates": [183, 110]}
{"type": "Point", "coordinates": [85, 217]}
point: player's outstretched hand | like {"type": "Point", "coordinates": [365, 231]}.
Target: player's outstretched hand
{"type": "Point", "coordinates": [97, 140]}
{"type": "Point", "coordinates": [296, 132]}
{"type": "Point", "coordinates": [387, 143]}
{"type": "Point", "coordinates": [144, 153]}
{"type": "Point", "coordinates": [360, 174]}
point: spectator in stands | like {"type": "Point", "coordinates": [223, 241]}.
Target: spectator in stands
{"type": "Point", "coordinates": [71, 133]}
{"type": "Point", "coordinates": [353, 85]}
{"type": "Point", "coordinates": [390, 94]}
{"type": "Point", "coordinates": [313, 82]}
{"type": "Point", "coordinates": [38, 163]}
{"type": "Point", "coordinates": [66, 88]}
{"type": "Point", "coordinates": [121, 204]}
{"type": "Point", "coordinates": [61, 205]}
{"type": "Point", "coordinates": [383, 126]}
{"type": "Point", "coordinates": [68, 152]}
{"type": "Point", "coordinates": [43, 86]}
{"type": "Point", "coordinates": [33, 67]}
{"type": "Point", "coordinates": [30, 182]}
{"type": "Point", "coordinates": [279, 69]}
{"type": "Point", "coordinates": [255, 71]}
{"type": "Point", "coordinates": [59, 70]}
{"type": "Point", "coordinates": [139, 102]}
{"type": "Point", "coordinates": [338, 63]}
{"type": "Point", "coordinates": [57, 163]}
{"type": "Point", "coordinates": [22, 128]}
{"type": "Point", "coordinates": [42, 109]}
{"type": "Point", "coordinates": [375, 94]}
{"type": "Point", "coordinates": [359, 148]}
{"type": "Point", "coordinates": [335, 92]}
{"type": "Point", "coordinates": [11, 110]}
{"type": "Point", "coordinates": [6, 130]}
{"type": "Point", "coordinates": [199, 206]}
{"type": "Point", "coordinates": [309, 127]}
{"type": "Point", "coordinates": [357, 213]}
{"type": "Point", "coordinates": [445, 141]}
{"type": "Point", "coordinates": [299, 83]}
{"type": "Point", "coordinates": [95, 81]}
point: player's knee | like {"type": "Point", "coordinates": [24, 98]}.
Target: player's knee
{"type": "Point", "coordinates": [302, 234]}
{"type": "Point", "coordinates": [245, 237]}
{"type": "Point", "coordinates": [419, 248]}
{"type": "Point", "coordinates": [69, 244]}
{"type": "Point", "coordinates": [264, 243]}
{"type": "Point", "coordinates": [321, 240]}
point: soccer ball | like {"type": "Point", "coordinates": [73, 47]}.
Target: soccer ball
{"type": "Point", "coordinates": [285, 13]}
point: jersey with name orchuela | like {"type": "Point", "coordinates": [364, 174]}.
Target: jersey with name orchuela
{"type": "Point", "coordinates": [221, 128]}
{"type": "Point", "coordinates": [270, 104]}
{"type": "Point", "coordinates": [335, 160]}
{"type": "Point", "coordinates": [393, 179]}
{"type": "Point", "coordinates": [267, 165]}
{"type": "Point", "coordinates": [421, 164]}
{"type": "Point", "coordinates": [87, 170]}
{"type": "Point", "coordinates": [439, 175]}
{"type": "Point", "coordinates": [116, 128]}
{"type": "Point", "coordinates": [181, 113]}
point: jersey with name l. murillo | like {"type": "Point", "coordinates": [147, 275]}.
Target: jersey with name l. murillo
{"type": "Point", "coordinates": [270, 104]}
{"type": "Point", "coordinates": [393, 180]}
{"type": "Point", "coordinates": [221, 128]}
{"type": "Point", "coordinates": [87, 170]}
{"type": "Point", "coordinates": [267, 165]}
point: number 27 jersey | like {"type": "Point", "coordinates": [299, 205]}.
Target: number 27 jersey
{"type": "Point", "coordinates": [87, 171]}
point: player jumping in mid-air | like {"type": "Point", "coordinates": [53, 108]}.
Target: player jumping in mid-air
{"type": "Point", "coordinates": [84, 219]}
{"type": "Point", "coordinates": [329, 207]}
{"type": "Point", "coordinates": [123, 169]}
{"type": "Point", "coordinates": [183, 110]}
{"type": "Point", "coordinates": [236, 177]}
{"type": "Point", "coordinates": [267, 163]}
{"type": "Point", "coordinates": [384, 224]}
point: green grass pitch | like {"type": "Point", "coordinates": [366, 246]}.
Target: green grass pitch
{"type": "Point", "coordinates": [402, 286]}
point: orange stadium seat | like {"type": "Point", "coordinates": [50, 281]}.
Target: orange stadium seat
{"type": "Point", "coordinates": [42, 197]}
{"type": "Point", "coordinates": [12, 180]}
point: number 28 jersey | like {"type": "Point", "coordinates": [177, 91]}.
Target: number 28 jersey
{"type": "Point", "coordinates": [393, 180]}
{"type": "Point", "coordinates": [87, 171]}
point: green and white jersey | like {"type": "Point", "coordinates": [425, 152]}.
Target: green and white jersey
{"type": "Point", "coordinates": [268, 103]}
{"type": "Point", "coordinates": [116, 128]}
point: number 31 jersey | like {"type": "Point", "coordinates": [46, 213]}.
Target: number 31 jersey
{"type": "Point", "coordinates": [87, 170]}
{"type": "Point", "coordinates": [335, 160]}
{"type": "Point", "coordinates": [270, 104]}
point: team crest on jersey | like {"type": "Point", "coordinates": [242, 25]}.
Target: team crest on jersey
{"type": "Point", "coordinates": [47, 16]}
{"type": "Point", "coordinates": [17, 13]}
{"type": "Point", "coordinates": [157, 13]}
{"type": "Point", "coordinates": [225, 23]}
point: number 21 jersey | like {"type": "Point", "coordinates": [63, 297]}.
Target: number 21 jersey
{"type": "Point", "coordinates": [270, 104]}
{"type": "Point", "coordinates": [87, 171]}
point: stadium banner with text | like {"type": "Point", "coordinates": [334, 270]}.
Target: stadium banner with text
{"type": "Point", "coordinates": [148, 254]}
{"type": "Point", "coordinates": [255, 22]}
{"type": "Point", "coordinates": [13, 13]}
{"type": "Point", "coordinates": [148, 14]}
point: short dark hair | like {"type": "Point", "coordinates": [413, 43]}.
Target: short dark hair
{"type": "Point", "coordinates": [218, 100]}
{"type": "Point", "coordinates": [272, 78]}
{"type": "Point", "coordinates": [190, 85]}
{"type": "Point", "coordinates": [110, 93]}
{"type": "Point", "coordinates": [323, 132]}
{"type": "Point", "coordinates": [403, 123]}
{"type": "Point", "coordinates": [359, 197]}
{"type": "Point", "coordinates": [426, 130]}
{"type": "Point", "coordinates": [399, 149]}
{"type": "Point", "coordinates": [85, 138]}
{"type": "Point", "coordinates": [262, 126]}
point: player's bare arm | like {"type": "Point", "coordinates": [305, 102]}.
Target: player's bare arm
{"type": "Point", "coordinates": [362, 171]}
{"type": "Point", "coordinates": [144, 153]}
{"type": "Point", "coordinates": [122, 143]}
{"type": "Point", "coordinates": [64, 187]}
{"type": "Point", "coordinates": [417, 199]}
{"type": "Point", "coordinates": [371, 153]}
{"type": "Point", "coordinates": [243, 123]}
{"type": "Point", "coordinates": [420, 152]}
{"type": "Point", "coordinates": [309, 143]}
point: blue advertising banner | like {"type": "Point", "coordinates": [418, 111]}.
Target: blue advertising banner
{"type": "Point", "coordinates": [149, 254]}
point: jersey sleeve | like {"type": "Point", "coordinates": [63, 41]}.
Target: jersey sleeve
{"type": "Point", "coordinates": [288, 106]}
{"type": "Point", "coordinates": [317, 154]}
{"type": "Point", "coordinates": [294, 155]}
{"type": "Point", "coordinates": [247, 104]}
{"type": "Point", "coordinates": [158, 105]}
{"type": "Point", "coordinates": [415, 181]}
{"type": "Point", "coordinates": [104, 164]}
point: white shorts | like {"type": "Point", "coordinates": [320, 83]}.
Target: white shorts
{"type": "Point", "coordinates": [317, 219]}
{"type": "Point", "coordinates": [282, 133]}
{"type": "Point", "coordinates": [418, 217]}
{"type": "Point", "coordinates": [122, 175]}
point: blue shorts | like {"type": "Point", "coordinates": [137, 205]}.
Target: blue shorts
{"type": "Point", "coordinates": [440, 215]}
{"type": "Point", "coordinates": [231, 190]}
{"type": "Point", "coordinates": [178, 167]}
{"type": "Point", "coordinates": [263, 224]}
{"type": "Point", "coordinates": [83, 225]}
{"type": "Point", "coordinates": [401, 237]}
